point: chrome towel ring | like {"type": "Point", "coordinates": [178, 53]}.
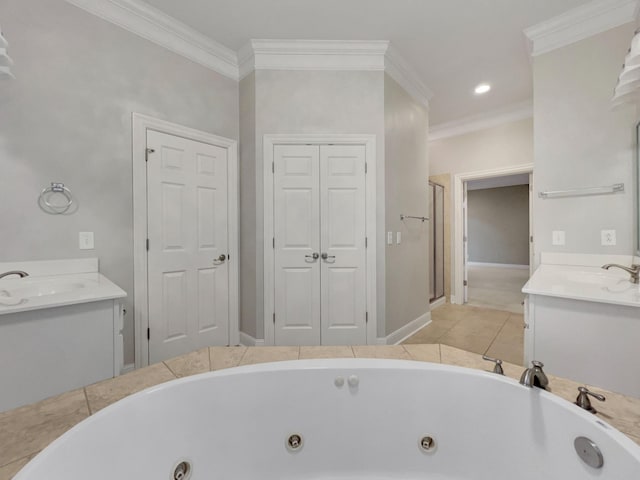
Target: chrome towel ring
{"type": "Point", "coordinates": [55, 189]}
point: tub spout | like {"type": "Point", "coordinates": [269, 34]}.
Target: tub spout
{"type": "Point", "coordinates": [20, 273]}
{"type": "Point", "coordinates": [534, 376]}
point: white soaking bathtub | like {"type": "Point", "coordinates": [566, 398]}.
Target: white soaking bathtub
{"type": "Point", "coordinates": [353, 418]}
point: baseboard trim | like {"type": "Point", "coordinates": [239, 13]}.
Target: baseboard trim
{"type": "Point", "coordinates": [498, 265]}
{"type": "Point", "coordinates": [438, 302]}
{"type": "Point", "coordinates": [129, 367]}
{"type": "Point", "coordinates": [406, 331]}
{"type": "Point", "coordinates": [248, 341]}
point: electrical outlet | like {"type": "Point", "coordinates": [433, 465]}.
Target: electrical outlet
{"type": "Point", "coordinates": [398, 237]}
{"type": "Point", "coordinates": [608, 237]}
{"type": "Point", "coordinates": [85, 240]}
{"type": "Point", "coordinates": [558, 237]}
{"type": "Point", "coordinates": [389, 238]}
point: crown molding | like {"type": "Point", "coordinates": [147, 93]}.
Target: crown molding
{"type": "Point", "coordinates": [511, 113]}
{"type": "Point", "coordinates": [398, 69]}
{"type": "Point", "coordinates": [151, 24]}
{"type": "Point", "coordinates": [351, 55]}
{"type": "Point", "coordinates": [579, 23]}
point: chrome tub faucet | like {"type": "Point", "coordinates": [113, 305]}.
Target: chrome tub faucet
{"type": "Point", "coordinates": [20, 273]}
{"type": "Point", "coordinates": [634, 271]}
{"type": "Point", "coordinates": [534, 376]}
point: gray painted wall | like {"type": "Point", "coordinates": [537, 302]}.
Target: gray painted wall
{"type": "Point", "coordinates": [498, 225]}
{"type": "Point", "coordinates": [248, 205]}
{"type": "Point", "coordinates": [581, 142]}
{"type": "Point", "coordinates": [311, 102]}
{"type": "Point", "coordinates": [67, 117]}
{"type": "Point", "coordinates": [407, 174]}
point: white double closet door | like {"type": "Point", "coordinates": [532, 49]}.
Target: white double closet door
{"type": "Point", "coordinates": [320, 245]}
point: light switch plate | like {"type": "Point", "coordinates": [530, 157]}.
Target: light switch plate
{"type": "Point", "coordinates": [558, 237]}
{"type": "Point", "coordinates": [389, 238]}
{"type": "Point", "coordinates": [398, 237]}
{"type": "Point", "coordinates": [85, 240]}
{"type": "Point", "coordinates": [608, 237]}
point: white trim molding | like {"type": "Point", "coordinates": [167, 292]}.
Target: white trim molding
{"type": "Point", "coordinates": [579, 23]}
{"type": "Point", "coordinates": [401, 334]}
{"type": "Point", "coordinates": [457, 260]}
{"type": "Point", "coordinates": [397, 68]}
{"type": "Point", "coordinates": [140, 125]}
{"type": "Point", "coordinates": [369, 143]}
{"type": "Point", "coordinates": [336, 55]}
{"type": "Point", "coordinates": [156, 26]}
{"type": "Point", "coordinates": [249, 341]}
{"type": "Point", "coordinates": [474, 123]}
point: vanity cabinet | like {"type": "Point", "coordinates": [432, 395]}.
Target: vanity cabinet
{"type": "Point", "coordinates": [50, 351]}
{"type": "Point", "coordinates": [590, 342]}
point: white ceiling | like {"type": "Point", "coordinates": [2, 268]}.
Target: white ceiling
{"type": "Point", "coordinates": [452, 44]}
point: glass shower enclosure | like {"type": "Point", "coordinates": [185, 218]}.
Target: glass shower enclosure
{"type": "Point", "coordinates": [436, 241]}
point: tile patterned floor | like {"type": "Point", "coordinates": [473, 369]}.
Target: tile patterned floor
{"type": "Point", "coordinates": [27, 430]}
{"type": "Point", "coordinates": [497, 287]}
{"type": "Point", "coordinates": [495, 333]}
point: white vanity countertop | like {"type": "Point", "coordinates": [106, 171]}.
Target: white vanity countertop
{"type": "Point", "coordinates": [38, 292]}
{"type": "Point", "coordinates": [591, 284]}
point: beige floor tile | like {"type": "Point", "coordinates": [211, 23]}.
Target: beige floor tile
{"type": "Point", "coordinates": [326, 352]}
{"type": "Point", "coordinates": [429, 334]}
{"type": "Point", "coordinates": [225, 357]}
{"type": "Point", "coordinates": [507, 350]}
{"type": "Point", "coordinates": [381, 351]}
{"type": "Point", "coordinates": [26, 430]}
{"type": "Point", "coordinates": [110, 391]}
{"type": "Point", "coordinates": [8, 471]}
{"type": "Point", "coordinates": [424, 353]}
{"type": "Point", "coordinates": [269, 354]}
{"type": "Point", "coordinates": [467, 341]}
{"type": "Point", "coordinates": [190, 364]}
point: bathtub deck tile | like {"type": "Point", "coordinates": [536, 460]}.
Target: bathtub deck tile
{"type": "Point", "coordinates": [190, 364]}
{"type": "Point", "coordinates": [381, 351]}
{"type": "Point", "coordinates": [8, 471]}
{"type": "Point", "coordinates": [620, 411]}
{"type": "Point", "coordinates": [269, 354]}
{"type": "Point", "coordinates": [109, 391]}
{"type": "Point", "coordinates": [27, 430]}
{"type": "Point", "coordinates": [326, 352]}
{"type": "Point", "coordinates": [424, 353]}
{"type": "Point", "coordinates": [225, 357]}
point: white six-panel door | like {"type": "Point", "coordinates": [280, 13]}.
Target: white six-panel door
{"type": "Point", "coordinates": [342, 233]}
{"type": "Point", "coordinates": [188, 275]}
{"type": "Point", "coordinates": [319, 243]}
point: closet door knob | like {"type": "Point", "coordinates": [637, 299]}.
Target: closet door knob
{"type": "Point", "coordinates": [313, 256]}
{"type": "Point", "coordinates": [220, 260]}
{"type": "Point", "coordinates": [326, 256]}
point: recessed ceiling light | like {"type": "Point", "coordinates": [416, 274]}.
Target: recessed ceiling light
{"type": "Point", "coordinates": [482, 88]}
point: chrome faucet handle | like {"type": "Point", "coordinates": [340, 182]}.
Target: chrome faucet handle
{"type": "Point", "coordinates": [497, 368]}
{"type": "Point", "coordinates": [583, 399]}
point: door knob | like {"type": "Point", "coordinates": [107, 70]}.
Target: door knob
{"type": "Point", "coordinates": [326, 256]}
{"type": "Point", "coordinates": [314, 256]}
{"type": "Point", "coordinates": [220, 260]}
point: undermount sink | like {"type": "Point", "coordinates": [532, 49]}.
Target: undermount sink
{"type": "Point", "coordinates": [20, 291]}
{"type": "Point", "coordinates": [40, 289]}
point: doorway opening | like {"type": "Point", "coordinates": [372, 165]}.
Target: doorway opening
{"type": "Point", "coordinates": [497, 241]}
